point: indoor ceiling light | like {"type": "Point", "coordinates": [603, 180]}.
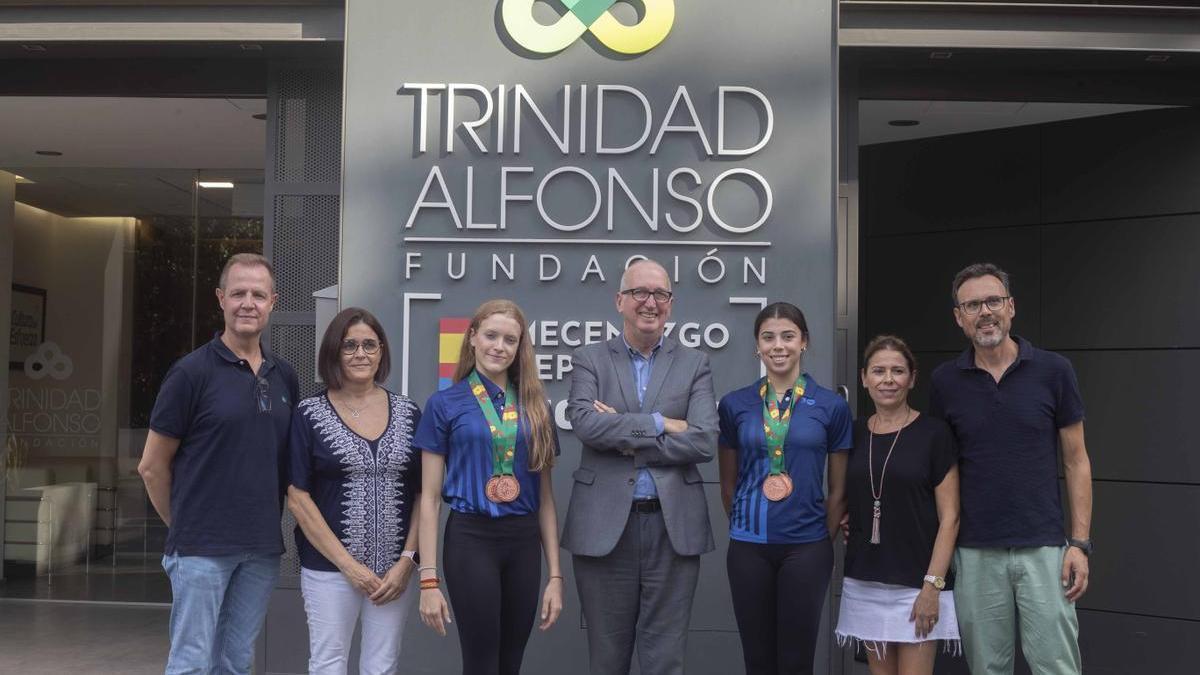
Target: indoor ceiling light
{"type": "Point", "coordinates": [23, 180]}
{"type": "Point", "coordinates": [221, 184]}
{"type": "Point", "coordinates": [1158, 58]}
{"type": "Point", "coordinates": [903, 123]}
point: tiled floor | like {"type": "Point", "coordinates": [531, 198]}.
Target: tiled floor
{"type": "Point", "coordinates": [56, 638]}
{"type": "Point", "coordinates": [131, 582]}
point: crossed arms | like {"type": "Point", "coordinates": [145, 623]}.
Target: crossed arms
{"type": "Point", "coordinates": [598, 425]}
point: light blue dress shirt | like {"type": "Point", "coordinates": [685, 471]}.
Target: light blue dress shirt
{"type": "Point", "coordinates": [644, 488]}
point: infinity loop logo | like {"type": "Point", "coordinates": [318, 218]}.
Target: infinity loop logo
{"type": "Point", "coordinates": [48, 359]}
{"type": "Point", "coordinates": [588, 16]}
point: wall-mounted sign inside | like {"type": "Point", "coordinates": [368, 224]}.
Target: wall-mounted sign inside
{"type": "Point", "coordinates": [28, 328]}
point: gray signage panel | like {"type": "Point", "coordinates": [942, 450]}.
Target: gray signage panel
{"type": "Point", "coordinates": [523, 150]}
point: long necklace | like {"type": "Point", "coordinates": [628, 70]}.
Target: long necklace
{"type": "Point", "coordinates": [355, 412]}
{"type": "Point", "coordinates": [875, 510]}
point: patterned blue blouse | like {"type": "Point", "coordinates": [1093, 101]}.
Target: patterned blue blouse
{"type": "Point", "coordinates": [364, 488]}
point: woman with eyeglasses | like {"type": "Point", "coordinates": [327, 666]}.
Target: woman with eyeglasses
{"type": "Point", "coordinates": [355, 477]}
{"type": "Point", "coordinates": [779, 438]}
{"type": "Point", "coordinates": [488, 443]}
{"type": "Point", "coordinates": [902, 489]}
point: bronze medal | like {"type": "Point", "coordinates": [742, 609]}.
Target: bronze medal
{"type": "Point", "coordinates": [502, 489]}
{"type": "Point", "coordinates": [777, 487]}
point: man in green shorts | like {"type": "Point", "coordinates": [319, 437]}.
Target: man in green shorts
{"type": "Point", "coordinates": [1011, 406]}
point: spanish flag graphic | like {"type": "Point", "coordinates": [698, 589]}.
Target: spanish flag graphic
{"type": "Point", "coordinates": [450, 337]}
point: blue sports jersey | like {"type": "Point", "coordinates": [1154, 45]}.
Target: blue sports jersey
{"type": "Point", "coordinates": [453, 426]}
{"type": "Point", "coordinates": [820, 424]}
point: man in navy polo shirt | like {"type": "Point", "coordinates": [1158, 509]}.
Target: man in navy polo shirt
{"type": "Point", "coordinates": [213, 468]}
{"type": "Point", "coordinates": [1011, 406]}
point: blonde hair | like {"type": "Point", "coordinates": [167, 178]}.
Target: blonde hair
{"type": "Point", "coordinates": [523, 373]}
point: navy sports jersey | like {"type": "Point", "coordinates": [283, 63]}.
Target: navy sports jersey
{"type": "Point", "coordinates": [453, 426]}
{"type": "Point", "coordinates": [228, 475]}
{"type": "Point", "coordinates": [820, 424]}
{"type": "Point", "coordinates": [364, 488]}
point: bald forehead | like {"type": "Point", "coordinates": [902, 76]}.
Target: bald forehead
{"type": "Point", "coordinates": [642, 270]}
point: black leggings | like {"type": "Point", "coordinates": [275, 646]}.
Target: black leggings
{"type": "Point", "coordinates": [493, 570]}
{"type": "Point", "coordinates": [778, 591]}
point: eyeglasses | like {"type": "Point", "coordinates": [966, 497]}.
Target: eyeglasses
{"type": "Point", "coordinates": [262, 394]}
{"type": "Point", "coordinates": [369, 346]}
{"type": "Point", "coordinates": [994, 303]}
{"type": "Point", "coordinates": [642, 294]}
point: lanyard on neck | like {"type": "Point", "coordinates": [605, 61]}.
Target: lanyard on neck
{"type": "Point", "coordinates": [502, 426]}
{"type": "Point", "coordinates": [776, 419]}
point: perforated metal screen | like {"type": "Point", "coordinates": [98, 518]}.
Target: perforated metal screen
{"type": "Point", "coordinates": [295, 344]}
{"type": "Point", "coordinates": [305, 252]}
{"type": "Point", "coordinates": [302, 220]}
{"type": "Point", "coordinates": [289, 562]}
{"type": "Point", "coordinates": [309, 130]}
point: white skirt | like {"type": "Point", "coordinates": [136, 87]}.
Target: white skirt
{"type": "Point", "coordinates": [876, 613]}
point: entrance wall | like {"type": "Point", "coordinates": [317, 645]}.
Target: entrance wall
{"type": "Point", "coordinates": [1097, 221]}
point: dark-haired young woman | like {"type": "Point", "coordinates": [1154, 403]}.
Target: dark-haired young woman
{"type": "Point", "coordinates": [488, 443]}
{"type": "Point", "coordinates": [355, 475]}
{"type": "Point", "coordinates": [780, 435]}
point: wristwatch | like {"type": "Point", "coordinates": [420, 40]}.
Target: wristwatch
{"type": "Point", "coordinates": [1084, 545]}
{"type": "Point", "coordinates": [411, 555]}
{"type": "Point", "coordinates": [938, 582]}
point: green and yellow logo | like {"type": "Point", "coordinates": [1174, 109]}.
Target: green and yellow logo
{"type": "Point", "coordinates": [584, 16]}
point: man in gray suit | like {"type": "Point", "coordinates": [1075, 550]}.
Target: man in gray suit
{"type": "Point", "coordinates": [644, 409]}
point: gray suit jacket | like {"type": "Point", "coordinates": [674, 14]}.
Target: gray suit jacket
{"type": "Point", "coordinates": [615, 446]}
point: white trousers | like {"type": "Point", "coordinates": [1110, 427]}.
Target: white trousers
{"type": "Point", "coordinates": [334, 607]}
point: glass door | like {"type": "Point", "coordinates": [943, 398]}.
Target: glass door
{"type": "Point", "coordinates": [110, 273]}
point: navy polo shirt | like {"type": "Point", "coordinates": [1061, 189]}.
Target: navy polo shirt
{"type": "Point", "coordinates": [228, 474]}
{"type": "Point", "coordinates": [820, 424]}
{"type": "Point", "coordinates": [1007, 435]}
{"type": "Point", "coordinates": [453, 426]}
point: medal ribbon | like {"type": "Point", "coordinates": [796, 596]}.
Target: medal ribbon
{"type": "Point", "coordinates": [502, 426]}
{"type": "Point", "coordinates": [776, 421]}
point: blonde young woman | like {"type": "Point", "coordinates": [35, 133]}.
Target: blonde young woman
{"type": "Point", "coordinates": [488, 443]}
{"type": "Point", "coordinates": [902, 491]}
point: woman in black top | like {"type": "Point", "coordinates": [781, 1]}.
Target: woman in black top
{"type": "Point", "coordinates": [902, 492]}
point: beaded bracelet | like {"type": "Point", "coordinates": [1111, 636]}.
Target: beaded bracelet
{"type": "Point", "coordinates": [430, 584]}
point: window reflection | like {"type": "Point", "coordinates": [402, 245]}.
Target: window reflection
{"type": "Point", "coordinates": [124, 262]}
